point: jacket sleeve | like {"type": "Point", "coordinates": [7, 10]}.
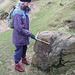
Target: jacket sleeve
{"type": "Point", "coordinates": [19, 26]}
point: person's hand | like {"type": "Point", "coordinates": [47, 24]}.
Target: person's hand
{"type": "Point", "coordinates": [33, 37]}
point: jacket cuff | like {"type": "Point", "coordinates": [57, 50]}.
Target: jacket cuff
{"type": "Point", "coordinates": [30, 35]}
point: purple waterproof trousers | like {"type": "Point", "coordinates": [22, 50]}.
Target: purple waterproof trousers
{"type": "Point", "coordinates": [20, 51]}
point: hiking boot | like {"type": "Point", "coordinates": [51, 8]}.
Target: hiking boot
{"type": "Point", "coordinates": [18, 67]}
{"type": "Point", "coordinates": [24, 60]}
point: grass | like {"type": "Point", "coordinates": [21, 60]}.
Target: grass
{"type": "Point", "coordinates": [7, 4]}
{"type": "Point", "coordinates": [50, 17]}
{"type": "Point", "coordinates": [6, 51]}
{"type": "Point", "coordinates": [73, 7]}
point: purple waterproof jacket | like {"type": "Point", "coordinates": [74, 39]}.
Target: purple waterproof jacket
{"type": "Point", "coordinates": [21, 32]}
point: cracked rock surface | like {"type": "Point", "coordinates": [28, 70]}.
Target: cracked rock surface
{"type": "Point", "coordinates": [59, 55]}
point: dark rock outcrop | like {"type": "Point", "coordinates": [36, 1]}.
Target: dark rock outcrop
{"type": "Point", "coordinates": [3, 15]}
{"type": "Point", "coordinates": [56, 57]}
{"type": "Point", "coordinates": [61, 4]}
{"type": "Point", "coordinates": [71, 25]}
{"type": "Point", "coordinates": [48, 3]}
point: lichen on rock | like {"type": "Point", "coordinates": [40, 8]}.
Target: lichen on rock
{"type": "Point", "coordinates": [59, 54]}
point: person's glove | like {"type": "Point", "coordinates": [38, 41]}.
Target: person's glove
{"type": "Point", "coordinates": [33, 37]}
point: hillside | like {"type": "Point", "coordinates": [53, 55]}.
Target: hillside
{"type": "Point", "coordinates": [53, 16]}
{"type": "Point", "coordinates": [7, 4]}
{"type": "Point", "coordinates": [50, 15]}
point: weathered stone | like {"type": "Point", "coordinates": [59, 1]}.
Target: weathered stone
{"type": "Point", "coordinates": [71, 25]}
{"type": "Point", "coordinates": [59, 55]}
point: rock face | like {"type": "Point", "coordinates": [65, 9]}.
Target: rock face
{"type": "Point", "coordinates": [56, 57]}
{"type": "Point", "coordinates": [71, 25]}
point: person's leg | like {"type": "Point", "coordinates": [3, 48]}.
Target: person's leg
{"type": "Point", "coordinates": [17, 58]}
{"type": "Point", "coordinates": [24, 59]}
{"type": "Point", "coordinates": [18, 53]}
{"type": "Point", "coordinates": [24, 51]}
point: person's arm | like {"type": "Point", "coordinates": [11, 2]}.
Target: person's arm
{"type": "Point", "coordinates": [19, 26]}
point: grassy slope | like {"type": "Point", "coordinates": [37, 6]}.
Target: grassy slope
{"type": "Point", "coordinates": [49, 17]}
{"type": "Point", "coordinates": [7, 4]}
{"type": "Point", "coordinates": [52, 17]}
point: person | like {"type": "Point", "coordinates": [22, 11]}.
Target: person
{"type": "Point", "coordinates": [21, 33]}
